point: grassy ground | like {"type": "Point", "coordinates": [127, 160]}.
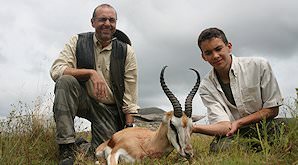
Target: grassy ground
{"type": "Point", "coordinates": [27, 138]}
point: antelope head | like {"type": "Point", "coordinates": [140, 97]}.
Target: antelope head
{"type": "Point", "coordinates": [180, 122]}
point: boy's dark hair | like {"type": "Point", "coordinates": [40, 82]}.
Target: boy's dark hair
{"type": "Point", "coordinates": [210, 33]}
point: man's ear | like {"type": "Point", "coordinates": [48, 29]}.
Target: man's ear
{"type": "Point", "coordinates": [92, 21]}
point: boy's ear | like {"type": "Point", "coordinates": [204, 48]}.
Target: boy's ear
{"type": "Point", "coordinates": [230, 46]}
{"type": "Point", "coordinates": [203, 57]}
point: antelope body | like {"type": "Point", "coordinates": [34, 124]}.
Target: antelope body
{"type": "Point", "coordinates": [136, 143]}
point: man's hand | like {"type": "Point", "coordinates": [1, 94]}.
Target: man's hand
{"type": "Point", "coordinates": [99, 85]}
{"type": "Point", "coordinates": [129, 120]}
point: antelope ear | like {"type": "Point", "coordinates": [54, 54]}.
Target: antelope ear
{"type": "Point", "coordinates": [151, 114]}
{"type": "Point", "coordinates": [196, 118]}
{"type": "Point", "coordinates": [149, 117]}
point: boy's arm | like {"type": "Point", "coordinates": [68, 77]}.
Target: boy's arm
{"type": "Point", "coordinates": [265, 113]}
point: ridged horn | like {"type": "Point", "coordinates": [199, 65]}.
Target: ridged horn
{"type": "Point", "coordinates": [175, 103]}
{"type": "Point", "coordinates": [188, 101]}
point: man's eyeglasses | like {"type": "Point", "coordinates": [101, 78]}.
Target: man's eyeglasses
{"type": "Point", "coordinates": [103, 20]}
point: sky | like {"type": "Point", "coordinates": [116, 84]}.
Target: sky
{"type": "Point", "coordinates": [165, 32]}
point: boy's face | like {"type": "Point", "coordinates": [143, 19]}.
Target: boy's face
{"type": "Point", "coordinates": [217, 54]}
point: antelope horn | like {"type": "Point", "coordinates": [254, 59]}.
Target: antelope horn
{"type": "Point", "coordinates": [175, 103]}
{"type": "Point", "coordinates": [188, 101]}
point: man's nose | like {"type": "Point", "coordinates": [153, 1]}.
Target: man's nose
{"type": "Point", "coordinates": [107, 22]}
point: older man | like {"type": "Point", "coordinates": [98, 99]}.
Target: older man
{"type": "Point", "coordinates": [96, 78]}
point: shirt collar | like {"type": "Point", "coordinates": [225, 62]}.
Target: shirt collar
{"type": "Point", "coordinates": [233, 70]}
{"type": "Point", "coordinates": [214, 79]}
{"type": "Point", "coordinates": [97, 43]}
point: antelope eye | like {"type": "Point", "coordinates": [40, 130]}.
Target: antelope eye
{"type": "Point", "coordinates": [176, 132]}
{"type": "Point", "coordinates": [173, 127]}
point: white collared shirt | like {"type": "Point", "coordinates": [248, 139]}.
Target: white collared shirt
{"type": "Point", "coordinates": [253, 86]}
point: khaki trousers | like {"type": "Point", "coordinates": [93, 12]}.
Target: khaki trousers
{"type": "Point", "coordinates": [71, 100]}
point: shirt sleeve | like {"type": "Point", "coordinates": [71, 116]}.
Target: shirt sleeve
{"type": "Point", "coordinates": [65, 59]}
{"type": "Point", "coordinates": [216, 112]}
{"type": "Point", "coordinates": [130, 82]}
{"type": "Point", "coordinates": [271, 94]}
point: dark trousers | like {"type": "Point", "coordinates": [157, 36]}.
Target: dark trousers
{"type": "Point", "coordinates": [270, 129]}
{"type": "Point", "coordinates": [71, 100]}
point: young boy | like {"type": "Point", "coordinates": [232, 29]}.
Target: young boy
{"type": "Point", "coordinates": [238, 92]}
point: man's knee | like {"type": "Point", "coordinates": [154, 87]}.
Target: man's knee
{"type": "Point", "coordinates": [67, 91]}
{"type": "Point", "coordinates": [66, 81]}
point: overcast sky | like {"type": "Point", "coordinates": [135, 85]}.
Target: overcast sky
{"type": "Point", "coordinates": [164, 32]}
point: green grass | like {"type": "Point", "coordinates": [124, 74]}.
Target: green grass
{"type": "Point", "coordinates": [26, 138]}
{"type": "Point", "coordinates": [29, 138]}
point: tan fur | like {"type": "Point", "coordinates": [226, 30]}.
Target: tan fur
{"type": "Point", "coordinates": [141, 142]}
{"type": "Point", "coordinates": [184, 121]}
{"type": "Point", "coordinates": [169, 115]}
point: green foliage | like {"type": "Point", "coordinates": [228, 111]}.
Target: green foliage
{"type": "Point", "coordinates": [27, 138]}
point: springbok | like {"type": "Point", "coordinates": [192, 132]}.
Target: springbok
{"type": "Point", "coordinates": [136, 143]}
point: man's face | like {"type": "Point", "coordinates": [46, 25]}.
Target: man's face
{"type": "Point", "coordinates": [104, 23]}
{"type": "Point", "coordinates": [217, 53]}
